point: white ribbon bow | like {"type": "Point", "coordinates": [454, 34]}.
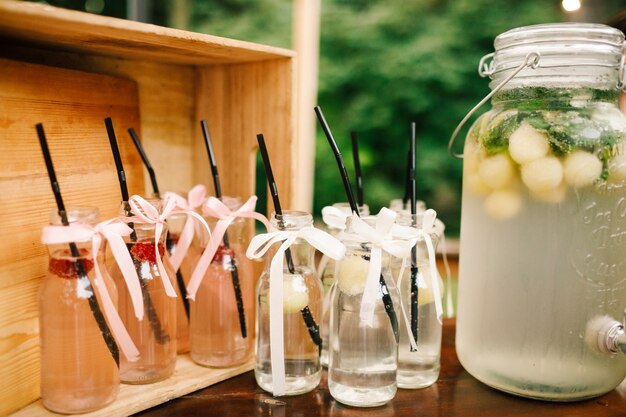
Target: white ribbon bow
{"type": "Point", "coordinates": [112, 231]}
{"type": "Point", "coordinates": [334, 218]}
{"type": "Point", "coordinates": [259, 245]}
{"type": "Point", "coordinates": [195, 198]}
{"type": "Point", "coordinates": [427, 228]}
{"type": "Point", "coordinates": [381, 239]}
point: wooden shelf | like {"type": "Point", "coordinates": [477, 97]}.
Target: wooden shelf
{"type": "Point", "coordinates": [69, 70]}
{"type": "Point", "coordinates": [131, 399]}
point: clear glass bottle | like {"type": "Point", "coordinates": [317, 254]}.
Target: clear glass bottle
{"type": "Point", "coordinates": [398, 205]}
{"type": "Point", "coordinates": [217, 338]}
{"type": "Point", "coordinates": [418, 368]}
{"type": "Point", "coordinates": [155, 335]}
{"type": "Point", "coordinates": [363, 360]}
{"type": "Point", "coordinates": [543, 216]}
{"type": "Point", "coordinates": [302, 296]}
{"type": "Point", "coordinates": [78, 372]}
{"type": "Point", "coordinates": [327, 274]}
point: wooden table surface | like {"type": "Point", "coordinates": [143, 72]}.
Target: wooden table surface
{"type": "Point", "coordinates": [456, 393]}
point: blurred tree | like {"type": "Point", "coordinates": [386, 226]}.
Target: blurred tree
{"type": "Point", "coordinates": [383, 64]}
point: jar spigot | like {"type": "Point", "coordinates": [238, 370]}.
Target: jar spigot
{"type": "Point", "coordinates": [606, 335]}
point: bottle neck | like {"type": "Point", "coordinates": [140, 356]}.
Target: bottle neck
{"type": "Point", "coordinates": [300, 251]}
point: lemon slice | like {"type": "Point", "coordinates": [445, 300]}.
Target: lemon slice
{"type": "Point", "coordinates": [353, 274]}
{"type": "Point", "coordinates": [427, 295]}
{"type": "Point", "coordinates": [295, 294]}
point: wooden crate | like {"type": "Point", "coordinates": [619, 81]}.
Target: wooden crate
{"type": "Point", "coordinates": [164, 81]}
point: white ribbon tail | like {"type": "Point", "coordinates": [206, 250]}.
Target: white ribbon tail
{"type": "Point", "coordinates": [277, 330]}
{"type": "Point", "coordinates": [446, 265]}
{"type": "Point", "coordinates": [434, 276]}
{"type": "Point", "coordinates": [405, 315]}
{"type": "Point", "coordinates": [370, 293]}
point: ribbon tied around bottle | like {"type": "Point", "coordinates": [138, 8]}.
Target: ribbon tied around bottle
{"type": "Point", "coordinates": [113, 231]}
{"type": "Point", "coordinates": [414, 235]}
{"type": "Point", "coordinates": [334, 218]}
{"type": "Point", "coordinates": [381, 239]}
{"type": "Point", "coordinates": [195, 198]}
{"type": "Point", "coordinates": [259, 245]}
{"type": "Point", "coordinates": [145, 212]}
{"type": "Point", "coordinates": [213, 207]}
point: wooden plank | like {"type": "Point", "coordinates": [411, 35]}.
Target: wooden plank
{"type": "Point", "coordinates": [166, 100]}
{"type": "Point", "coordinates": [131, 399]}
{"type": "Point", "coordinates": [74, 125]}
{"type": "Point", "coordinates": [238, 102]}
{"type": "Point", "coordinates": [306, 43]}
{"type": "Point", "coordinates": [84, 32]}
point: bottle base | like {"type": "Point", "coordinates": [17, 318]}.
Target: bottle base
{"type": "Point", "coordinates": [141, 375]}
{"type": "Point", "coordinates": [295, 385]}
{"type": "Point", "coordinates": [324, 358]}
{"type": "Point", "coordinates": [212, 362]}
{"type": "Point", "coordinates": [80, 405]}
{"type": "Point", "coordinates": [414, 379]}
{"type": "Point", "coordinates": [545, 392]}
{"type": "Point", "coordinates": [362, 397]}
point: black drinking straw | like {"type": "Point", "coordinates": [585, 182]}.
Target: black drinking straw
{"type": "Point", "coordinates": [146, 162]}
{"type": "Point", "coordinates": [387, 301]}
{"type": "Point", "coordinates": [414, 270]}
{"type": "Point", "coordinates": [218, 193]}
{"type": "Point", "coordinates": [160, 334]}
{"type": "Point", "coordinates": [357, 168]}
{"type": "Point", "coordinates": [78, 263]}
{"type": "Point", "coordinates": [407, 182]}
{"type": "Point", "coordinates": [169, 243]}
{"type": "Point", "coordinates": [309, 321]}
{"type": "Point", "coordinates": [337, 153]}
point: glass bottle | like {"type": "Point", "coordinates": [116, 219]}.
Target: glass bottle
{"type": "Point", "coordinates": [175, 225]}
{"type": "Point", "coordinates": [327, 274]}
{"type": "Point", "coordinates": [398, 205]}
{"type": "Point", "coordinates": [543, 216]}
{"type": "Point", "coordinates": [155, 335]}
{"type": "Point", "coordinates": [363, 360]}
{"type": "Point", "coordinates": [217, 338]}
{"type": "Point", "coordinates": [418, 368]}
{"type": "Point", "coordinates": [302, 297]}
{"type": "Point", "coordinates": [78, 373]}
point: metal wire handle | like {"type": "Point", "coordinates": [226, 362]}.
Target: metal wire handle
{"type": "Point", "coordinates": [531, 61]}
{"type": "Point", "coordinates": [621, 78]}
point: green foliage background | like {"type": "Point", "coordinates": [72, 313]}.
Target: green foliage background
{"type": "Point", "coordinates": [383, 64]}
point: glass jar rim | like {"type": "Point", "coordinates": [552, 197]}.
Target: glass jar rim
{"type": "Point", "coordinates": [344, 206]}
{"type": "Point", "coordinates": [80, 214]}
{"type": "Point", "coordinates": [569, 54]}
{"type": "Point", "coordinates": [291, 220]}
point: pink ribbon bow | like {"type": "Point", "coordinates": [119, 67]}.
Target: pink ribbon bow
{"type": "Point", "coordinates": [112, 231]}
{"type": "Point", "coordinates": [146, 213]}
{"type": "Point", "coordinates": [195, 199]}
{"type": "Point", "coordinates": [215, 208]}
